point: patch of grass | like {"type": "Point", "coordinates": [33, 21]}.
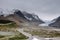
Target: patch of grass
{"type": "Point", "coordinates": [44, 33]}
{"type": "Point", "coordinates": [1, 36]}
{"type": "Point", "coordinates": [19, 37]}
{"type": "Point", "coordinates": [7, 23]}
{"type": "Point", "coordinates": [8, 27]}
{"type": "Point", "coordinates": [16, 38]}
{"type": "Point", "coordinates": [12, 25]}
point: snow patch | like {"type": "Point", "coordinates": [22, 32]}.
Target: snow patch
{"type": "Point", "coordinates": [35, 17]}
{"type": "Point", "coordinates": [28, 18]}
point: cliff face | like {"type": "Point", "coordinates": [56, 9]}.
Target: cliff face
{"type": "Point", "coordinates": [56, 23]}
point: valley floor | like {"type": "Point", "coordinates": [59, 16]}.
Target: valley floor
{"type": "Point", "coordinates": [32, 37]}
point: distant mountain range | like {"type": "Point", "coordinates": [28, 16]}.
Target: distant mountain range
{"type": "Point", "coordinates": [25, 17]}
{"type": "Point", "coordinates": [55, 23]}
{"type": "Point", "coordinates": [28, 18]}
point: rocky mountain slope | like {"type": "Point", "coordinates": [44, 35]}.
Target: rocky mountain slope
{"type": "Point", "coordinates": [24, 17]}
{"type": "Point", "coordinates": [32, 17]}
{"type": "Point", "coordinates": [56, 23]}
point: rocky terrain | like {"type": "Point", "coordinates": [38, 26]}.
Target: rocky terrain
{"type": "Point", "coordinates": [56, 23]}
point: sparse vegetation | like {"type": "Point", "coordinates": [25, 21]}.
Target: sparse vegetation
{"type": "Point", "coordinates": [16, 36]}
{"type": "Point", "coordinates": [12, 24]}
{"type": "Point", "coordinates": [6, 25]}
{"type": "Point", "coordinates": [44, 33]}
{"type": "Point", "coordinates": [19, 37]}
{"type": "Point", "coordinates": [1, 36]}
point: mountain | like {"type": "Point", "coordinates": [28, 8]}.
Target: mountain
{"type": "Point", "coordinates": [19, 13]}
{"type": "Point", "coordinates": [25, 17]}
{"type": "Point", "coordinates": [32, 17]}
{"type": "Point", "coordinates": [56, 23]}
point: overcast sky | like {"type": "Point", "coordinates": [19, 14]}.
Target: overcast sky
{"type": "Point", "coordinates": [45, 9]}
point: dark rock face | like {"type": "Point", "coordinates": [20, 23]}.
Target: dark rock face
{"type": "Point", "coordinates": [19, 13]}
{"type": "Point", "coordinates": [56, 23]}
{"type": "Point", "coordinates": [58, 19]}
{"type": "Point", "coordinates": [32, 17]}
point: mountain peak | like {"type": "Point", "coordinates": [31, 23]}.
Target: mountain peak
{"type": "Point", "coordinates": [58, 19]}
{"type": "Point", "coordinates": [27, 17]}
{"type": "Point", "coordinates": [18, 12]}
